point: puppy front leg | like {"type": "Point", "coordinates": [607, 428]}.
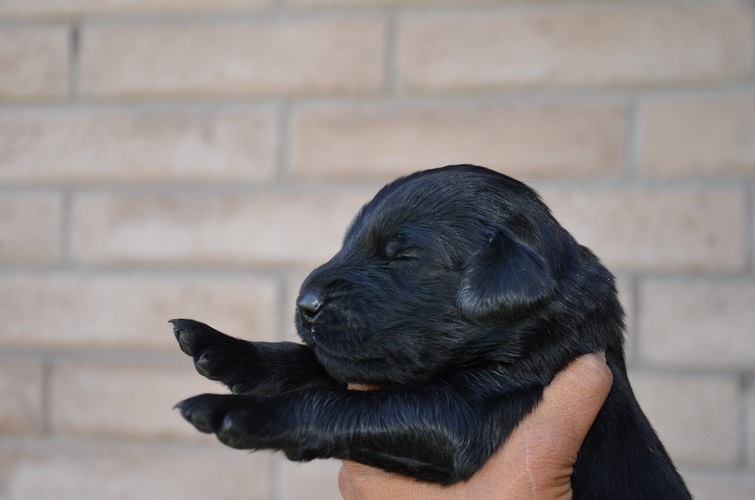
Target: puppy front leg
{"type": "Point", "coordinates": [432, 434]}
{"type": "Point", "coordinates": [262, 368]}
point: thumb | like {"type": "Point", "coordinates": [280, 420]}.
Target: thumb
{"type": "Point", "coordinates": [551, 437]}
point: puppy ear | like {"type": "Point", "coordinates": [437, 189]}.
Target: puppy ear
{"type": "Point", "coordinates": [505, 278]}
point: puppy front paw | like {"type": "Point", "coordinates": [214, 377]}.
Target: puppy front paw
{"type": "Point", "coordinates": [213, 352]}
{"type": "Point", "coordinates": [237, 421]}
{"type": "Point", "coordinates": [193, 336]}
{"type": "Point", "coordinates": [201, 412]}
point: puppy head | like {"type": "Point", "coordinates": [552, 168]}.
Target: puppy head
{"type": "Point", "coordinates": [439, 267]}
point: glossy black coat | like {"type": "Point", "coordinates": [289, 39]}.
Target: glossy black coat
{"type": "Point", "coordinates": [460, 295]}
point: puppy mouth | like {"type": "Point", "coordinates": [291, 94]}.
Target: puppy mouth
{"type": "Point", "coordinates": [340, 355]}
{"type": "Point", "coordinates": [350, 369]}
{"type": "Point", "coordinates": [330, 353]}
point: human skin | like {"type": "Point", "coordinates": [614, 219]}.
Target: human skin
{"type": "Point", "coordinates": [535, 462]}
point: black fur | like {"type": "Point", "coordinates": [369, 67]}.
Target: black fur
{"type": "Point", "coordinates": [459, 294]}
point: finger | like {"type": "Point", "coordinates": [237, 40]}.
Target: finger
{"type": "Point", "coordinates": [578, 392]}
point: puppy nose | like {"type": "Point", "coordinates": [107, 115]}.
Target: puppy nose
{"type": "Point", "coordinates": [309, 305]}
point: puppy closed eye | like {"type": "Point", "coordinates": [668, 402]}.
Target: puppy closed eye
{"type": "Point", "coordinates": [397, 250]}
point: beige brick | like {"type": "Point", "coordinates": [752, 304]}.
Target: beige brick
{"type": "Point", "coordinates": [698, 323]}
{"type": "Point", "coordinates": [642, 229]}
{"type": "Point", "coordinates": [21, 393]}
{"type": "Point", "coordinates": [116, 399]}
{"type": "Point", "coordinates": [328, 3]}
{"type": "Point", "coordinates": [626, 297]}
{"type": "Point", "coordinates": [78, 310]}
{"type": "Point", "coordinates": [384, 141]}
{"type": "Point", "coordinates": [750, 423]}
{"type": "Point", "coordinates": [34, 62]}
{"type": "Point", "coordinates": [128, 145]}
{"type": "Point", "coordinates": [191, 59]}
{"type": "Point", "coordinates": [305, 481]}
{"type": "Point", "coordinates": [710, 136]}
{"type": "Point", "coordinates": [113, 471]}
{"type": "Point", "coordinates": [29, 228]}
{"type": "Point", "coordinates": [292, 284]}
{"type": "Point", "coordinates": [630, 45]}
{"type": "Point", "coordinates": [264, 228]}
{"type": "Point", "coordinates": [697, 417]}
{"type": "Point", "coordinates": [58, 8]}
{"type": "Point", "coordinates": [718, 485]}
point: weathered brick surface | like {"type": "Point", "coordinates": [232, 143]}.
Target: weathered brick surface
{"type": "Point", "coordinates": [196, 158]}
{"type": "Point", "coordinates": [190, 59]}
{"type": "Point", "coordinates": [719, 485]}
{"type": "Point", "coordinates": [698, 323]}
{"type": "Point", "coordinates": [21, 397]}
{"type": "Point", "coordinates": [268, 228]}
{"type": "Point", "coordinates": [30, 228]}
{"type": "Point", "coordinates": [330, 3]}
{"type": "Point", "coordinates": [691, 136]}
{"type": "Point", "coordinates": [750, 425]}
{"type": "Point", "coordinates": [639, 229]}
{"type": "Point", "coordinates": [128, 145]}
{"type": "Point", "coordinates": [34, 62]}
{"type": "Point", "coordinates": [638, 44]}
{"type": "Point", "coordinates": [126, 400]}
{"type": "Point", "coordinates": [696, 417]}
{"type": "Point", "coordinates": [385, 141]}
{"type": "Point", "coordinates": [317, 479]}
{"type": "Point", "coordinates": [58, 8]}
{"type": "Point", "coordinates": [116, 471]}
{"type": "Point", "coordinates": [627, 299]}
{"type": "Point", "coordinates": [70, 310]}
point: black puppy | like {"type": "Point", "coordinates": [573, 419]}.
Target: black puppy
{"type": "Point", "coordinates": [460, 295]}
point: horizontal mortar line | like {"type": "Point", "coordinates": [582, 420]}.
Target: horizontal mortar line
{"type": "Point", "coordinates": [642, 181]}
{"type": "Point", "coordinates": [536, 94]}
{"type": "Point", "coordinates": [294, 185]}
{"type": "Point", "coordinates": [718, 470]}
{"type": "Point", "coordinates": [734, 276]}
{"type": "Point", "coordinates": [273, 186]}
{"type": "Point", "coordinates": [102, 442]}
{"type": "Point", "coordinates": [276, 11]}
{"type": "Point", "coordinates": [644, 367]}
{"type": "Point", "coordinates": [488, 7]}
{"type": "Point", "coordinates": [221, 15]}
{"type": "Point", "coordinates": [295, 270]}
{"type": "Point", "coordinates": [403, 97]}
{"type": "Point", "coordinates": [157, 105]}
{"type": "Point", "coordinates": [261, 14]}
{"type": "Point", "coordinates": [177, 272]}
{"type": "Point", "coordinates": [113, 356]}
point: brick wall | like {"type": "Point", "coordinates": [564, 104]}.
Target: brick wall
{"type": "Point", "coordinates": [167, 158]}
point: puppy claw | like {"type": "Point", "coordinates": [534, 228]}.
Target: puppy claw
{"type": "Point", "coordinates": [179, 324]}
{"type": "Point", "coordinates": [204, 419]}
{"type": "Point", "coordinates": [178, 331]}
{"type": "Point", "coordinates": [184, 330]}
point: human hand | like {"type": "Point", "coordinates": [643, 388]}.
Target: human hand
{"type": "Point", "coordinates": [536, 461]}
